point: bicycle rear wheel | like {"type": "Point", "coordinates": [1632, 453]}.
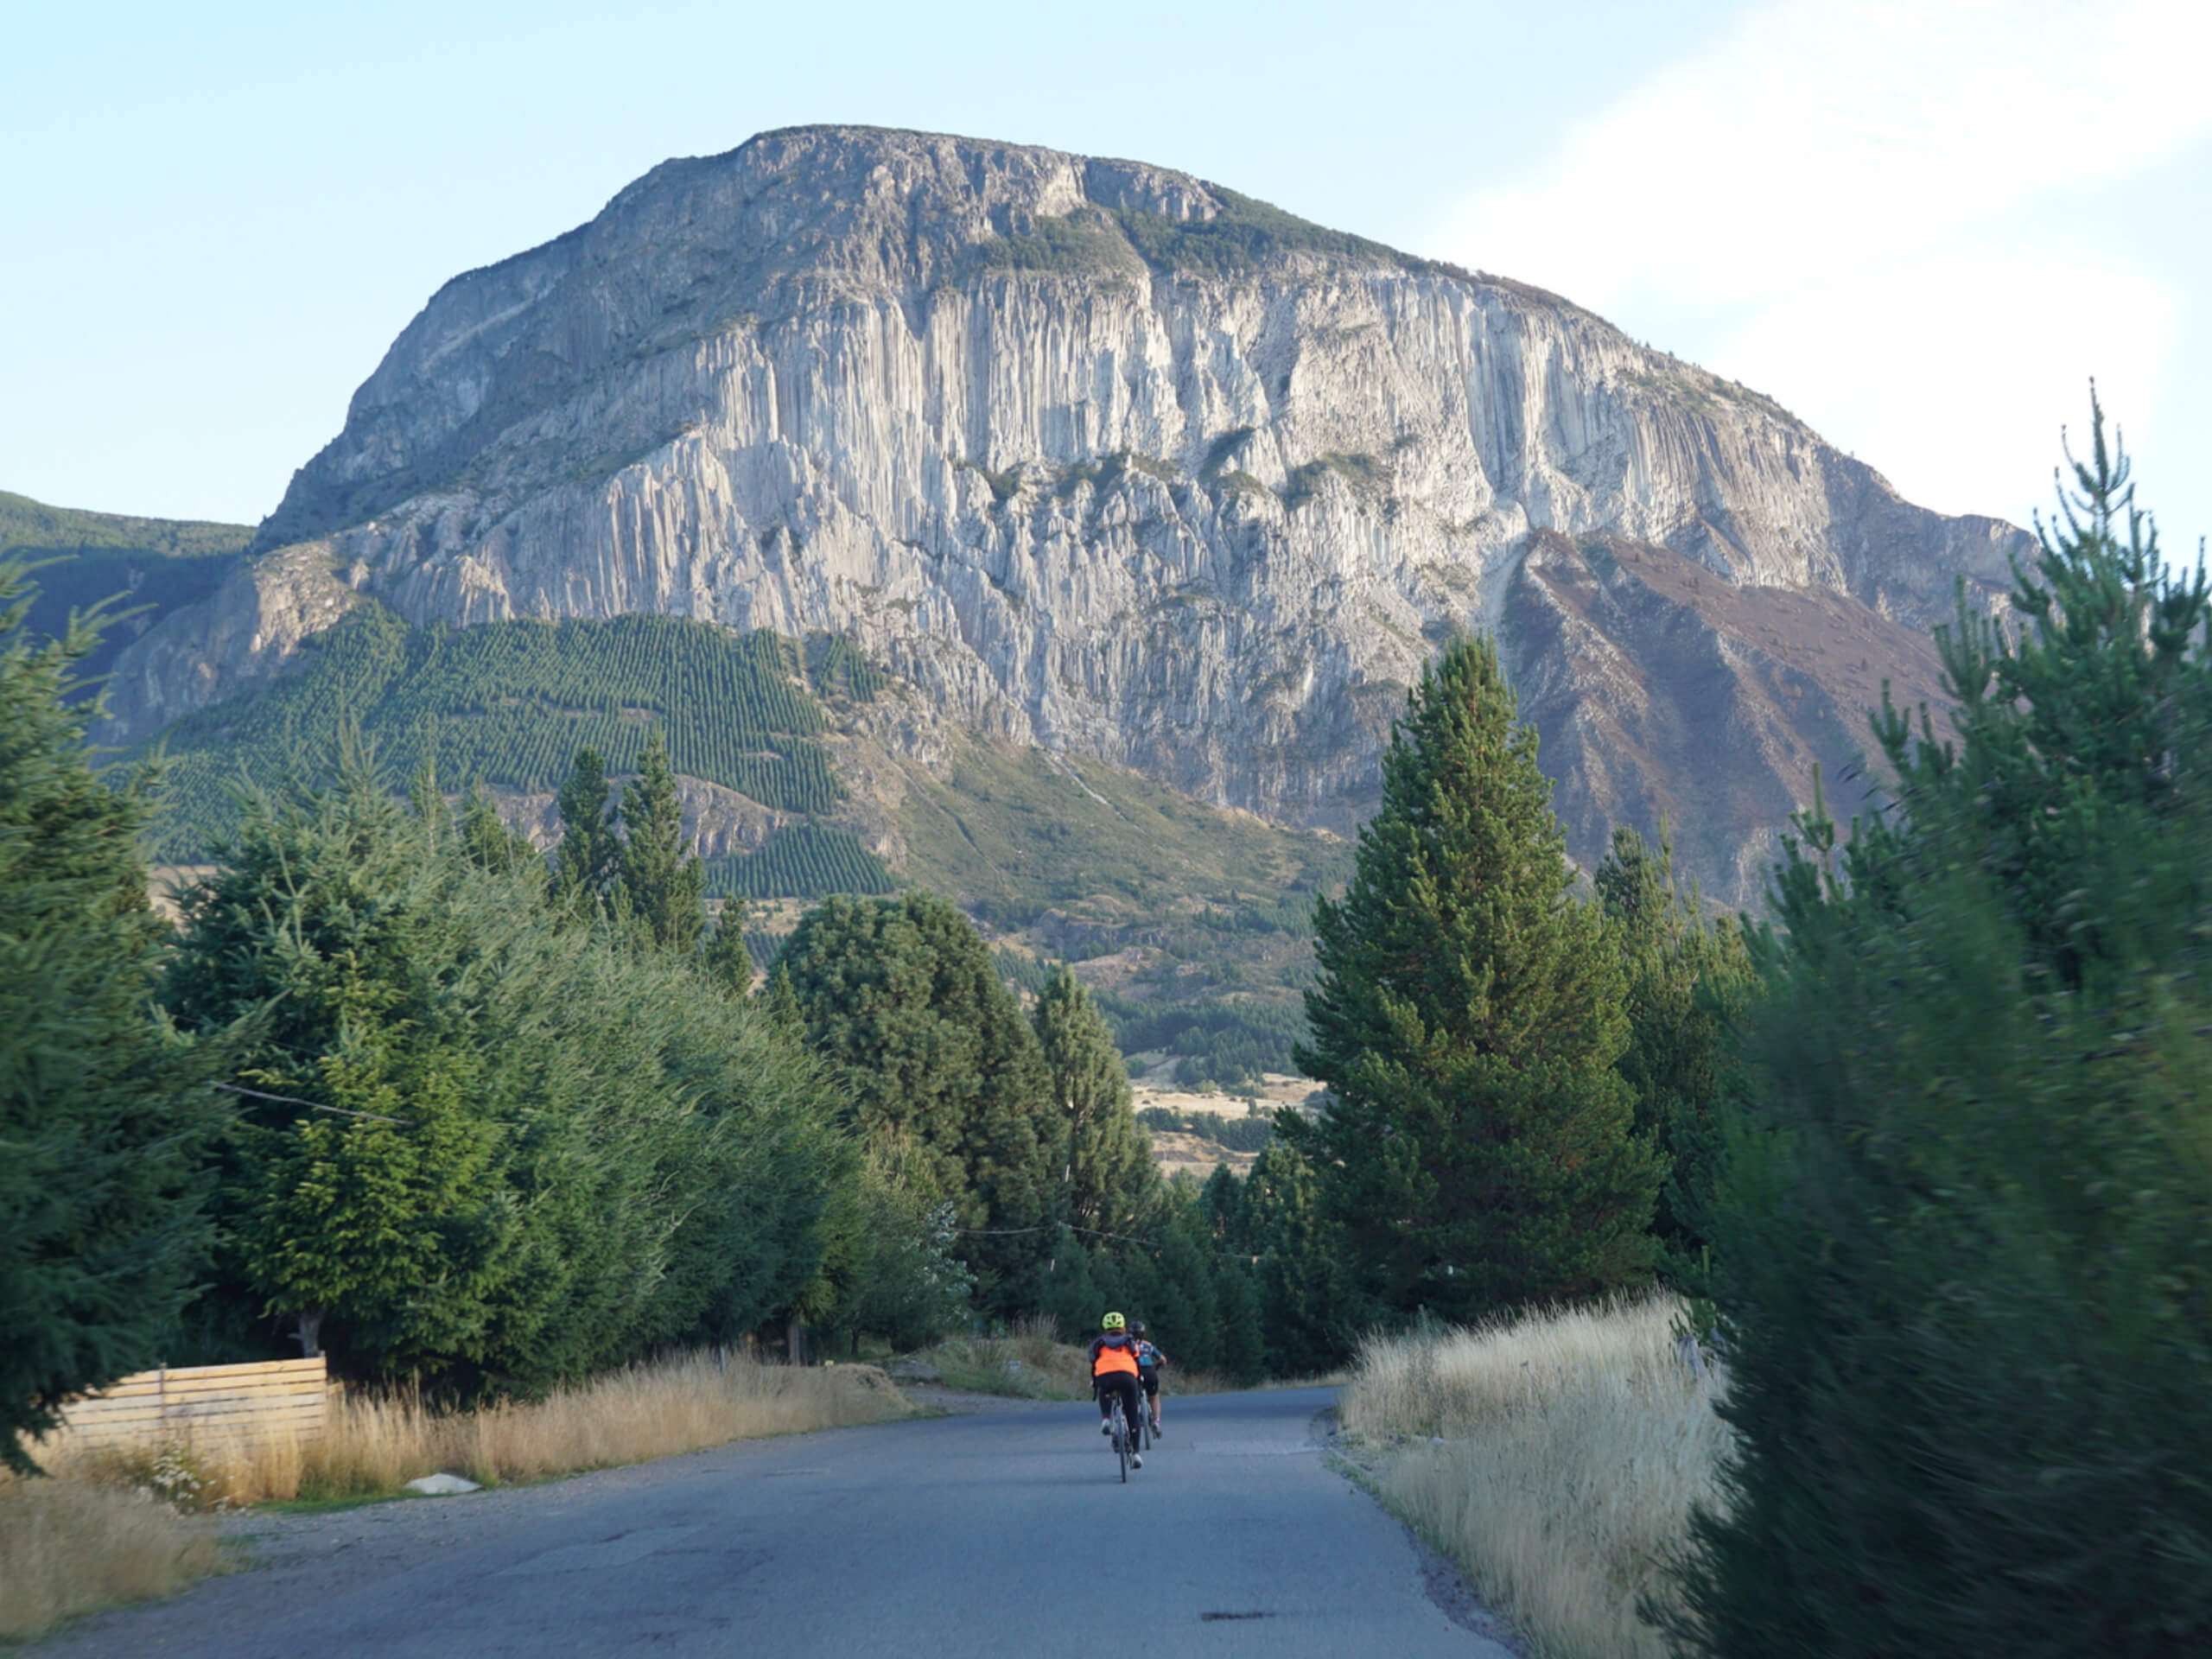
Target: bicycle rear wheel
{"type": "Point", "coordinates": [1122, 1440]}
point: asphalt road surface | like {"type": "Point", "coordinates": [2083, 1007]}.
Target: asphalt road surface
{"type": "Point", "coordinates": [1002, 1532]}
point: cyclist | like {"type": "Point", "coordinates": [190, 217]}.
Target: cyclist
{"type": "Point", "coordinates": [1113, 1371]}
{"type": "Point", "coordinates": [1149, 1360]}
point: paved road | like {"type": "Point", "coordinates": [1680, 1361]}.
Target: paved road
{"type": "Point", "coordinates": [998, 1534]}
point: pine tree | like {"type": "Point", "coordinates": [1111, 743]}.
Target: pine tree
{"type": "Point", "coordinates": [1960, 1228]}
{"type": "Point", "coordinates": [901, 995]}
{"type": "Point", "coordinates": [723, 959]}
{"type": "Point", "coordinates": [489, 1152]}
{"type": "Point", "coordinates": [1689, 982]}
{"type": "Point", "coordinates": [663, 881]}
{"type": "Point", "coordinates": [102, 1109]}
{"type": "Point", "coordinates": [1478, 1149]}
{"type": "Point", "coordinates": [590, 853]}
{"type": "Point", "coordinates": [1308, 1314]}
{"type": "Point", "coordinates": [489, 844]}
{"type": "Point", "coordinates": [1109, 1177]}
{"type": "Point", "coordinates": [1243, 1343]}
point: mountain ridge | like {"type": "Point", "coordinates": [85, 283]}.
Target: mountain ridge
{"type": "Point", "coordinates": [1099, 458]}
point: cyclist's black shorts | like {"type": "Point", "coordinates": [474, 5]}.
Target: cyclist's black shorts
{"type": "Point", "coordinates": [1150, 1380]}
{"type": "Point", "coordinates": [1119, 1382]}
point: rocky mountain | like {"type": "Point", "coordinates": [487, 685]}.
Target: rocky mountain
{"type": "Point", "coordinates": [1103, 460]}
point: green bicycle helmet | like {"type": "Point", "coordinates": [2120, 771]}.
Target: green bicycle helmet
{"type": "Point", "coordinates": [1113, 1322]}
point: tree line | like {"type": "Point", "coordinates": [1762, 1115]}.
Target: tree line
{"type": "Point", "coordinates": [396, 1087]}
{"type": "Point", "coordinates": [1928, 1146]}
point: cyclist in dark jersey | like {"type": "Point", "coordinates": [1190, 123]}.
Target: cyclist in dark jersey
{"type": "Point", "coordinates": [1113, 1371]}
{"type": "Point", "coordinates": [1149, 1360]}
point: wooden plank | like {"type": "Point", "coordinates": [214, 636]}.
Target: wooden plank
{"type": "Point", "coordinates": [264, 1367]}
{"type": "Point", "coordinates": [151, 1411]}
{"type": "Point", "coordinates": [131, 1402]}
{"type": "Point", "coordinates": [200, 1379]}
{"type": "Point", "coordinates": [203, 1390]}
{"type": "Point", "coordinates": [185, 1429]}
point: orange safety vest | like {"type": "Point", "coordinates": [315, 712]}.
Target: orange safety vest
{"type": "Point", "coordinates": [1111, 1358]}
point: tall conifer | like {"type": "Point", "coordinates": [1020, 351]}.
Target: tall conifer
{"type": "Point", "coordinates": [1478, 1148]}
{"type": "Point", "coordinates": [101, 1109]}
{"type": "Point", "coordinates": [1689, 982]}
{"type": "Point", "coordinates": [902, 996]}
{"type": "Point", "coordinates": [1109, 1177]}
{"type": "Point", "coordinates": [590, 851]}
{"type": "Point", "coordinates": [663, 882]}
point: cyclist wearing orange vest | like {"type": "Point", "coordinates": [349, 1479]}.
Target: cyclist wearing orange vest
{"type": "Point", "coordinates": [1113, 1371]}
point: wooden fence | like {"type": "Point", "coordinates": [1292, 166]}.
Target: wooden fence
{"type": "Point", "coordinates": [202, 1404]}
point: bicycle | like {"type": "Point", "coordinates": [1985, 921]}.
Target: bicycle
{"type": "Point", "coordinates": [1120, 1436]}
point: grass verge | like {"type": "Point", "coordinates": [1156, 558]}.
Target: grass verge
{"type": "Point", "coordinates": [67, 1548]}
{"type": "Point", "coordinates": [1554, 1456]}
{"type": "Point", "coordinates": [113, 1527]}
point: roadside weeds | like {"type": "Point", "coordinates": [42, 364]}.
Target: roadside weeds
{"type": "Point", "coordinates": [1554, 1457]}
{"type": "Point", "coordinates": [108, 1528]}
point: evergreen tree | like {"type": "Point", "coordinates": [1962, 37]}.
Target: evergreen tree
{"type": "Point", "coordinates": [1478, 1148]}
{"type": "Point", "coordinates": [779, 1003]}
{"type": "Point", "coordinates": [901, 994]}
{"type": "Point", "coordinates": [590, 854]}
{"type": "Point", "coordinates": [487, 1153]}
{"type": "Point", "coordinates": [723, 959]}
{"type": "Point", "coordinates": [1307, 1309]}
{"type": "Point", "coordinates": [1181, 1305]}
{"type": "Point", "coordinates": [101, 1106]}
{"type": "Point", "coordinates": [1960, 1227]}
{"type": "Point", "coordinates": [1688, 984]}
{"type": "Point", "coordinates": [1109, 1178]}
{"type": "Point", "coordinates": [663, 882]}
{"type": "Point", "coordinates": [1071, 1294]}
{"type": "Point", "coordinates": [1243, 1343]}
{"type": "Point", "coordinates": [490, 845]}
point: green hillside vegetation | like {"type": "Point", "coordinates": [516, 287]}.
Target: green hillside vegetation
{"type": "Point", "coordinates": [510, 704]}
{"type": "Point", "coordinates": [149, 566]}
{"type": "Point", "coordinates": [1207, 912]}
{"type": "Point", "coordinates": [801, 860]}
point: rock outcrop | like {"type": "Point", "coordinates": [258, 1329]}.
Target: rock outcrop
{"type": "Point", "coordinates": [1103, 458]}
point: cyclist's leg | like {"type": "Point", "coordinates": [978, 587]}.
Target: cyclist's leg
{"type": "Point", "coordinates": [1102, 1390]}
{"type": "Point", "coordinates": [1125, 1390]}
{"type": "Point", "coordinates": [1152, 1399]}
{"type": "Point", "coordinates": [1132, 1403]}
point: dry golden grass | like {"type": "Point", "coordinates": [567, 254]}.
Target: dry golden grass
{"type": "Point", "coordinates": [375, 1444]}
{"type": "Point", "coordinates": [66, 1548]}
{"type": "Point", "coordinates": [1555, 1456]}
{"type": "Point", "coordinates": [629, 1416]}
{"type": "Point", "coordinates": [111, 1526]}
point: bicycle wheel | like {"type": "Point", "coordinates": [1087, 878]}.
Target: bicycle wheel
{"type": "Point", "coordinates": [1144, 1425]}
{"type": "Point", "coordinates": [1122, 1439]}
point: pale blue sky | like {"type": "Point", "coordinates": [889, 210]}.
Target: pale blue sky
{"type": "Point", "coordinates": [1919, 224]}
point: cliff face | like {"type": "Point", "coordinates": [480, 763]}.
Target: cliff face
{"type": "Point", "coordinates": [1099, 457]}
